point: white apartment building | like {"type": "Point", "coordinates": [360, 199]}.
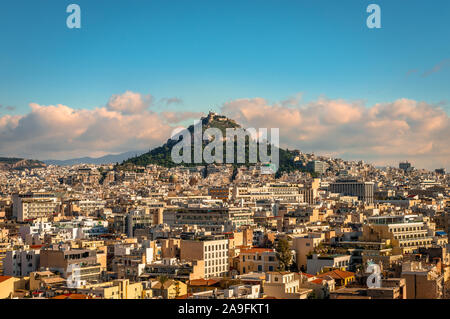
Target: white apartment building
{"type": "Point", "coordinates": [39, 228]}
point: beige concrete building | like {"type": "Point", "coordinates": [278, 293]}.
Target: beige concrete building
{"type": "Point", "coordinates": [170, 289]}
{"type": "Point", "coordinates": [257, 260]}
{"type": "Point", "coordinates": [405, 232]}
{"type": "Point", "coordinates": [213, 252]}
{"type": "Point", "coordinates": [170, 248]}
{"type": "Point", "coordinates": [422, 282]}
{"type": "Point", "coordinates": [6, 286]}
{"type": "Point", "coordinates": [34, 205]}
{"type": "Point", "coordinates": [304, 246]}
{"type": "Point", "coordinates": [60, 261]}
{"type": "Point", "coordinates": [116, 289]}
{"type": "Point", "coordinates": [284, 285]}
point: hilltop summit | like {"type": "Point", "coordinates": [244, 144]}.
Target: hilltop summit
{"type": "Point", "coordinates": [162, 155]}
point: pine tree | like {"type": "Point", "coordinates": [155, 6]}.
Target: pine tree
{"type": "Point", "coordinates": [284, 254]}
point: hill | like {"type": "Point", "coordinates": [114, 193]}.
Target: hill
{"type": "Point", "coordinates": [162, 154]}
{"type": "Point", "coordinates": [7, 163]}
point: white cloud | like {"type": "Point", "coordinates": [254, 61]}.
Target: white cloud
{"type": "Point", "coordinates": [59, 132]}
{"type": "Point", "coordinates": [129, 103]}
{"type": "Point", "coordinates": [384, 133]}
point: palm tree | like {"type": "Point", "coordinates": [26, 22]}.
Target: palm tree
{"type": "Point", "coordinates": [177, 289]}
{"type": "Point", "coordinates": [162, 280]}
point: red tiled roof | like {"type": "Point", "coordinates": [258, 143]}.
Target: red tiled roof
{"type": "Point", "coordinates": [203, 282]}
{"type": "Point", "coordinates": [337, 274]}
{"type": "Point", "coordinates": [255, 250]}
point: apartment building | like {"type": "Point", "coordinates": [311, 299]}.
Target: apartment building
{"type": "Point", "coordinates": [30, 232]}
{"type": "Point", "coordinates": [223, 193]}
{"type": "Point", "coordinates": [405, 232]}
{"type": "Point", "coordinates": [422, 281]}
{"type": "Point", "coordinates": [132, 221]}
{"type": "Point", "coordinates": [7, 286]}
{"type": "Point", "coordinates": [170, 248]}
{"type": "Point", "coordinates": [257, 260]}
{"type": "Point", "coordinates": [284, 285]}
{"type": "Point", "coordinates": [318, 263]}
{"type": "Point", "coordinates": [175, 269]}
{"type": "Point", "coordinates": [232, 292]}
{"type": "Point", "coordinates": [214, 253]}
{"type": "Point", "coordinates": [316, 167]}
{"type": "Point", "coordinates": [21, 263]}
{"type": "Point", "coordinates": [352, 187]}
{"type": "Point", "coordinates": [170, 289]}
{"type": "Point", "coordinates": [45, 279]}
{"type": "Point", "coordinates": [4, 247]}
{"type": "Point", "coordinates": [62, 261]}
{"type": "Point", "coordinates": [34, 205]}
{"type": "Point", "coordinates": [85, 206]}
{"type": "Point", "coordinates": [280, 192]}
{"type": "Point", "coordinates": [304, 246]}
{"type": "Point", "coordinates": [116, 289]}
{"type": "Point", "coordinates": [215, 219]}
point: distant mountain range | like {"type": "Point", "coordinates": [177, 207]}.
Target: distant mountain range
{"type": "Point", "coordinates": [107, 159]}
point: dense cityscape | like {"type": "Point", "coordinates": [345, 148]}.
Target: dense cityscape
{"type": "Point", "coordinates": [211, 158]}
{"type": "Point", "coordinates": [330, 229]}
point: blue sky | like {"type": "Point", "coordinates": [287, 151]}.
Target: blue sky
{"type": "Point", "coordinates": [210, 52]}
